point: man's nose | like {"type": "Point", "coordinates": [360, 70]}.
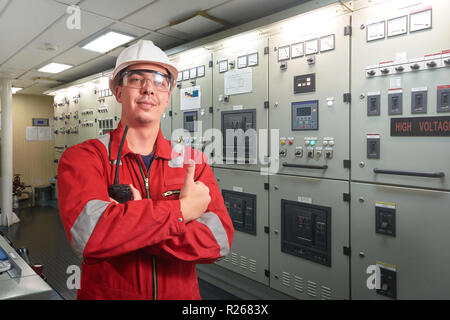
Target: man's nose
{"type": "Point", "coordinates": [147, 88]}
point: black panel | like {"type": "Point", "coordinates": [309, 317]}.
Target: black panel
{"type": "Point", "coordinates": [306, 231]}
{"type": "Point", "coordinates": [242, 209]}
{"type": "Point", "coordinates": [395, 104]}
{"type": "Point", "coordinates": [443, 100]}
{"type": "Point", "coordinates": [305, 83]}
{"type": "Point", "coordinates": [373, 148]}
{"type": "Point", "coordinates": [419, 102]}
{"type": "Point", "coordinates": [385, 221]}
{"type": "Point", "coordinates": [373, 105]}
{"type": "Point", "coordinates": [388, 285]}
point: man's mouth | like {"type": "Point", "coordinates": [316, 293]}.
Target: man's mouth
{"type": "Point", "coordinates": [145, 104]}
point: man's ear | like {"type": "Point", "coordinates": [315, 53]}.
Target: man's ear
{"type": "Point", "coordinates": [118, 93]}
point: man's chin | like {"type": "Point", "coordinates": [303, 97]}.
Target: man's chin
{"type": "Point", "coordinates": [146, 120]}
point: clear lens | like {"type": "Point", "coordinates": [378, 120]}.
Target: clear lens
{"type": "Point", "coordinates": [139, 78]}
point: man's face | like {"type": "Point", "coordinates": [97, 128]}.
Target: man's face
{"type": "Point", "coordinates": [142, 106]}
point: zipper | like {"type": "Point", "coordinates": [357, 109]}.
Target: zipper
{"type": "Point", "coordinates": [147, 192]}
{"type": "Point", "coordinates": [171, 192]}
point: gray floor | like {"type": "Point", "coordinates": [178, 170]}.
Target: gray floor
{"type": "Point", "coordinates": [41, 231]}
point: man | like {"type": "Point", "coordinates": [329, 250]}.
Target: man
{"type": "Point", "coordinates": [148, 247]}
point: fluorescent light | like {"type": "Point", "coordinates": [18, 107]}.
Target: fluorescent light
{"type": "Point", "coordinates": [15, 89]}
{"type": "Point", "coordinates": [54, 67]}
{"type": "Point", "coordinates": [107, 42]}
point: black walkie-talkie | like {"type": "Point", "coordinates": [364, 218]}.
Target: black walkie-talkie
{"type": "Point", "coordinates": [120, 192]}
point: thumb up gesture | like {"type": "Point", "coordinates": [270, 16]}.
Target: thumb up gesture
{"type": "Point", "coordinates": [194, 195]}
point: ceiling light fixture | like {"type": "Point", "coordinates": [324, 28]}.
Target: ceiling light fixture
{"type": "Point", "coordinates": [107, 41]}
{"type": "Point", "coordinates": [15, 89]}
{"type": "Point", "coordinates": [55, 67]}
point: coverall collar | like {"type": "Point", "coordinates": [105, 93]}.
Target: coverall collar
{"type": "Point", "coordinates": [163, 147]}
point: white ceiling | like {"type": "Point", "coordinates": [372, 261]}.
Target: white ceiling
{"type": "Point", "coordinates": [29, 25]}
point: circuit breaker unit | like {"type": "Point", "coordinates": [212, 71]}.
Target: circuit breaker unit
{"type": "Point", "coordinates": [242, 209]}
{"type": "Point", "coordinates": [306, 231]}
{"type": "Point", "coordinates": [239, 141]}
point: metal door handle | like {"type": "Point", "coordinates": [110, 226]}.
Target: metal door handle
{"type": "Point", "coordinates": [307, 166]}
{"type": "Point", "coordinates": [409, 173]}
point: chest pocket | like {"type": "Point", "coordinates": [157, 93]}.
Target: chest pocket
{"type": "Point", "coordinates": [173, 182]}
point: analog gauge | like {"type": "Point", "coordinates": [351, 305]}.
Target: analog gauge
{"type": "Point", "coordinates": [297, 50]}
{"type": "Point", "coordinates": [223, 65]}
{"type": "Point", "coordinates": [242, 62]}
{"type": "Point", "coordinates": [283, 53]}
{"type": "Point", "coordinates": [327, 43]}
{"type": "Point", "coordinates": [186, 75]}
{"type": "Point", "coordinates": [375, 31]}
{"type": "Point", "coordinates": [311, 46]}
{"type": "Point", "coordinates": [193, 73]}
{"type": "Point", "coordinates": [252, 59]}
{"type": "Point", "coordinates": [397, 26]}
{"type": "Point", "coordinates": [420, 20]}
{"type": "Point", "coordinates": [200, 71]}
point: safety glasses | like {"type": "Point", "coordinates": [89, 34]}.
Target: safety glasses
{"type": "Point", "coordinates": [138, 79]}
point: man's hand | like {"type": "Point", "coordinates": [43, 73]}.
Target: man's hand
{"type": "Point", "coordinates": [134, 191]}
{"type": "Point", "coordinates": [194, 196]}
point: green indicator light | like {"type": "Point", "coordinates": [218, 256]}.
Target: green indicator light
{"type": "Point", "coordinates": [313, 142]}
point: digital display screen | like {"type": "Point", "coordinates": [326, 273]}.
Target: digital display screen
{"type": "Point", "coordinates": [305, 115]}
{"type": "Point", "coordinates": [305, 111]}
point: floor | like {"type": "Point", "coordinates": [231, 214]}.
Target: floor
{"type": "Point", "coordinates": [41, 231]}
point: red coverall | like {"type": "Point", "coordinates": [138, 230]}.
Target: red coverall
{"type": "Point", "coordinates": [142, 249]}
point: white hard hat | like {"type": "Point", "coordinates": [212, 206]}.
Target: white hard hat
{"type": "Point", "coordinates": [144, 51]}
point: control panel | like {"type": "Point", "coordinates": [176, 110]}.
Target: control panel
{"type": "Point", "coordinates": [240, 99]}
{"type": "Point", "coordinates": [191, 99]}
{"type": "Point", "coordinates": [303, 92]}
{"type": "Point", "coordinates": [401, 95]}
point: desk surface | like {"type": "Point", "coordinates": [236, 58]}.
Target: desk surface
{"type": "Point", "coordinates": [25, 284]}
